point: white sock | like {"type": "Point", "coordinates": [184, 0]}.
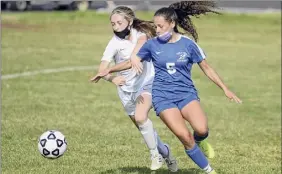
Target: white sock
{"type": "Point", "coordinates": [147, 131]}
{"type": "Point", "coordinates": [208, 169]}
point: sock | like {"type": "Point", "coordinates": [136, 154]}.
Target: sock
{"type": "Point", "coordinates": [161, 147]}
{"type": "Point", "coordinates": [147, 131]}
{"type": "Point", "coordinates": [199, 158]}
{"type": "Point", "coordinates": [200, 138]}
{"type": "Point", "coordinates": [208, 169]}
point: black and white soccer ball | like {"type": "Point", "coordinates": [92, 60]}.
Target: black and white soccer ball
{"type": "Point", "coordinates": [52, 144]}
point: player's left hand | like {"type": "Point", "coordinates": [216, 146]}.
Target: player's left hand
{"type": "Point", "coordinates": [232, 96]}
{"type": "Point", "coordinates": [100, 75]}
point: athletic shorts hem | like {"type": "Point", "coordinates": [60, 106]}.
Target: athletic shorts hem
{"type": "Point", "coordinates": [180, 104]}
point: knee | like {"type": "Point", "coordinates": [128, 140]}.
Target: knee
{"type": "Point", "coordinates": [202, 131]}
{"type": "Point", "coordinates": [187, 139]}
{"type": "Point", "coordinates": [141, 119]}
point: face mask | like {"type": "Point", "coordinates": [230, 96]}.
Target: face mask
{"type": "Point", "coordinates": [122, 34]}
{"type": "Point", "coordinates": [165, 37]}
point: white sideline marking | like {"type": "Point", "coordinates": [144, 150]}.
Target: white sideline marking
{"type": "Point", "coordinates": [47, 71]}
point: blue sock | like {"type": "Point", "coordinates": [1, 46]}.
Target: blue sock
{"type": "Point", "coordinates": [200, 138]}
{"type": "Point", "coordinates": [163, 150]}
{"type": "Point", "coordinates": [198, 157]}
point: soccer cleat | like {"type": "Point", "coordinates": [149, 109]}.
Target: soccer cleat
{"type": "Point", "coordinates": [206, 149]}
{"type": "Point", "coordinates": [170, 161]}
{"type": "Point", "coordinates": [157, 162]}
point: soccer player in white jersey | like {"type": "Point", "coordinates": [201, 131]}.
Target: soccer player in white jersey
{"type": "Point", "coordinates": [134, 89]}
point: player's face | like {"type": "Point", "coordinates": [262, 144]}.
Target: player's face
{"type": "Point", "coordinates": [162, 25]}
{"type": "Point", "coordinates": [118, 22]}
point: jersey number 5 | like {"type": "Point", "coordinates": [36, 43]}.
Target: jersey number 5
{"type": "Point", "coordinates": [170, 68]}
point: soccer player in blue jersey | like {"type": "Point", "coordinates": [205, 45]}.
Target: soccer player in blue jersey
{"type": "Point", "coordinates": [175, 98]}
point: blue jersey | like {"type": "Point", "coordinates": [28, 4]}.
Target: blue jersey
{"type": "Point", "coordinates": [173, 63]}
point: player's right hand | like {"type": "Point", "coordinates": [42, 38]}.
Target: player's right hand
{"type": "Point", "coordinates": [137, 66]}
{"type": "Point", "coordinates": [100, 75]}
{"type": "Point", "coordinates": [118, 80]}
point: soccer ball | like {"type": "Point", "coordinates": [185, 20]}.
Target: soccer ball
{"type": "Point", "coordinates": [52, 144]}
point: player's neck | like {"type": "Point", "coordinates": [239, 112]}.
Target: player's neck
{"type": "Point", "coordinates": [174, 38]}
{"type": "Point", "coordinates": [129, 37]}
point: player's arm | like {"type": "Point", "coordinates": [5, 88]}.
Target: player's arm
{"type": "Point", "coordinates": [127, 64]}
{"type": "Point", "coordinates": [198, 56]}
{"type": "Point", "coordinates": [120, 67]}
{"type": "Point", "coordinates": [213, 76]}
{"type": "Point", "coordinates": [135, 59]}
{"type": "Point", "coordinates": [103, 66]}
{"type": "Point", "coordinates": [107, 58]}
{"type": "Point", "coordinates": [103, 73]}
{"type": "Point", "coordinates": [143, 54]}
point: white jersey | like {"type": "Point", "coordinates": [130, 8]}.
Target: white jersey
{"type": "Point", "coordinates": [119, 50]}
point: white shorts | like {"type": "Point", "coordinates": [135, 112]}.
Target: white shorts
{"type": "Point", "coordinates": [128, 99]}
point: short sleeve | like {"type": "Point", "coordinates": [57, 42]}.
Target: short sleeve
{"type": "Point", "coordinates": [197, 54]}
{"type": "Point", "coordinates": [145, 52]}
{"type": "Point", "coordinates": [110, 51]}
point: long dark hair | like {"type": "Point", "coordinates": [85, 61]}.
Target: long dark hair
{"type": "Point", "coordinates": [146, 27]}
{"type": "Point", "coordinates": [143, 26]}
{"type": "Point", "coordinates": [180, 13]}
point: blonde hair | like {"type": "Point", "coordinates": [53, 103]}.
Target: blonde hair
{"type": "Point", "coordinates": [143, 26]}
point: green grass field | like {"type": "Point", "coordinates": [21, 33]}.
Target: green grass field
{"type": "Point", "coordinates": [244, 50]}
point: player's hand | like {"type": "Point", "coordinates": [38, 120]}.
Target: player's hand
{"type": "Point", "coordinates": [100, 75]}
{"type": "Point", "coordinates": [118, 80]}
{"type": "Point", "coordinates": [232, 96]}
{"type": "Point", "coordinates": [137, 66]}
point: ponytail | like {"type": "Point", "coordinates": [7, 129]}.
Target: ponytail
{"type": "Point", "coordinates": [180, 13]}
{"type": "Point", "coordinates": [146, 27]}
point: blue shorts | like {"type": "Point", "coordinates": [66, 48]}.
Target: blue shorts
{"type": "Point", "coordinates": [160, 104]}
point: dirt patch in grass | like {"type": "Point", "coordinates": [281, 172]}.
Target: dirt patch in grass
{"type": "Point", "coordinates": [22, 27]}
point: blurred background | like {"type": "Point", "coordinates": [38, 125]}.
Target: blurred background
{"type": "Point", "coordinates": [235, 6]}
